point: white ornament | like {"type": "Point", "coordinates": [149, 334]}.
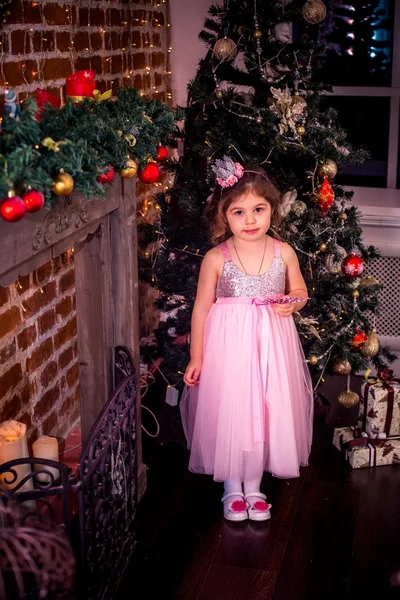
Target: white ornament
{"type": "Point", "coordinates": [342, 149]}
{"type": "Point", "coordinates": [287, 201]}
{"type": "Point", "coordinates": [282, 33]}
{"type": "Point", "coordinates": [334, 265]}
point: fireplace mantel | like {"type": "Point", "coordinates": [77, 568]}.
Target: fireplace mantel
{"type": "Point", "coordinates": [103, 235]}
{"type": "Point", "coordinates": [24, 249]}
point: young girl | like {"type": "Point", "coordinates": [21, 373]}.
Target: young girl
{"type": "Point", "coordinates": [251, 410]}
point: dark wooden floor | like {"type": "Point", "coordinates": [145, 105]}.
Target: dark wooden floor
{"type": "Point", "coordinates": [334, 533]}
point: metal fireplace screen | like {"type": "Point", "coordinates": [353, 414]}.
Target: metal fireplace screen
{"type": "Point", "coordinates": [106, 489]}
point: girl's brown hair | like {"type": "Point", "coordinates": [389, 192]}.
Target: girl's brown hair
{"type": "Point", "coordinates": [254, 180]}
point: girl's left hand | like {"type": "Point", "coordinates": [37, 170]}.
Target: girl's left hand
{"type": "Point", "coordinates": [284, 310]}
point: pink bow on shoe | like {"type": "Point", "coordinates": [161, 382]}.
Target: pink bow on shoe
{"type": "Point", "coordinates": [236, 510]}
{"type": "Point", "coordinates": [260, 509]}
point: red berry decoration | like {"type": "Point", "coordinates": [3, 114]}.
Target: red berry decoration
{"type": "Point", "coordinates": [33, 200]}
{"type": "Point", "coordinates": [12, 208]}
{"type": "Point", "coordinates": [359, 339]}
{"type": "Point", "coordinates": [150, 173]}
{"type": "Point", "coordinates": [162, 153]}
{"type": "Point", "coordinates": [325, 197]}
{"type": "Point", "coordinates": [107, 176]}
{"type": "Point", "coordinates": [353, 265]}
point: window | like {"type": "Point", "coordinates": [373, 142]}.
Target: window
{"type": "Point", "coordinates": [360, 42]}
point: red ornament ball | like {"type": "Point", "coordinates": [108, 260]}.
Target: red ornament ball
{"type": "Point", "coordinates": [33, 200]}
{"type": "Point", "coordinates": [12, 208]}
{"type": "Point", "coordinates": [162, 153]}
{"type": "Point", "coordinates": [150, 173]}
{"type": "Point", "coordinates": [359, 339]}
{"type": "Point", "coordinates": [107, 176]}
{"type": "Point", "coordinates": [353, 265]}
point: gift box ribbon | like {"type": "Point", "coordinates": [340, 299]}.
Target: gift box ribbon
{"type": "Point", "coordinates": [385, 379]}
{"type": "Point", "coordinates": [99, 97]}
{"type": "Point", "coordinates": [361, 439]}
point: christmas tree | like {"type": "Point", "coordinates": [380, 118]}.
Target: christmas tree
{"type": "Point", "coordinates": [255, 99]}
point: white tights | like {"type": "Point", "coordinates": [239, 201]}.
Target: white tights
{"type": "Point", "coordinates": [232, 486]}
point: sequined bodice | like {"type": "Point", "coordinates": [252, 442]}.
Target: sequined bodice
{"type": "Point", "coordinates": [235, 283]}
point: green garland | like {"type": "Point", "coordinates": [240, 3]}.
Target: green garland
{"type": "Point", "coordinates": [81, 139]}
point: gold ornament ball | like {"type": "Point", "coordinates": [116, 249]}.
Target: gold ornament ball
{"type": "Point", "coordinates": [257, 34]}
{"type": "Point", "coordinates": [313, 360]}
{"type": "Point", "coordinates": [332, 316]}
{"type": "Point", "coordinates": [299, 207]}
{"type": "Point", "coordinates": [314, 11]}
{"type": "Point", "coordinates": [301, 130]}
{"type": "Point", "coordinates": [297, 99]}
{"type": "Point", "coordinates": [355, 293]}
{"type": "Point", "coordinates": [327, 169]}
{"type": "Point", "coordinates": [348, 399]}
{"type": "Point", "coordinates": [322, 247]}
{"type": "Point", "coordinates": [219, 93]}
{"type": "Point", "coordinates": [371, 346]}
{"type": "Point", "coordinates": [340, 366]}
{"type": "Point", "coordinates": [225, 49]}
{"type": "Point", "coordinates": [63, 184]}
{"type": "Point", "coordinates": [130, 170]}
{"type": "Point", "coordinates": [343, 216]}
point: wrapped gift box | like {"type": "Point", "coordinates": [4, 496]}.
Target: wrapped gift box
{"type": "Point", "coordinates": [380, 405]}
{"type": "Point", "coordinates": [80, 85]}
{"type": "Point", "coordinates": [363, 451]}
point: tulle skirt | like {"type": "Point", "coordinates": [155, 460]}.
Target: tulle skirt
{"type": "Point", "coordinates": [252, 410]}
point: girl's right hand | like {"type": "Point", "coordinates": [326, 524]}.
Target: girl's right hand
{"type": "Point", "coordinates": [192, 372]}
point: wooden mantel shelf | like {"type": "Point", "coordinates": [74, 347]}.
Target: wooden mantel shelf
{"type": "Point", "coordinates": [103, 233]}
{"type": "Point", "coordinates": [24, 248]}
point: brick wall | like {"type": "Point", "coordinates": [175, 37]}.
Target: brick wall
{"type": "Point", "coordinates": [126, 43]}
{"type": "Point", "coordinates": [38, 349]}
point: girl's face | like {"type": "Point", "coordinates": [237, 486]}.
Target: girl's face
{"type": "Point", "coordinates": [249, 217]}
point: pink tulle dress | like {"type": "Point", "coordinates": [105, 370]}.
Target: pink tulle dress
{"type": "Point", "coordinates": [252, 410]}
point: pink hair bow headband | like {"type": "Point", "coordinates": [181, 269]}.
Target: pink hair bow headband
{"type": "Point", "coordinates": [227, 171]}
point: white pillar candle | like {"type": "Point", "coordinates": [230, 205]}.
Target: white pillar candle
{"type": "Point", "coordinates": [13, 445]}
{"type": "Point", "coordinates": [46, 447]}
